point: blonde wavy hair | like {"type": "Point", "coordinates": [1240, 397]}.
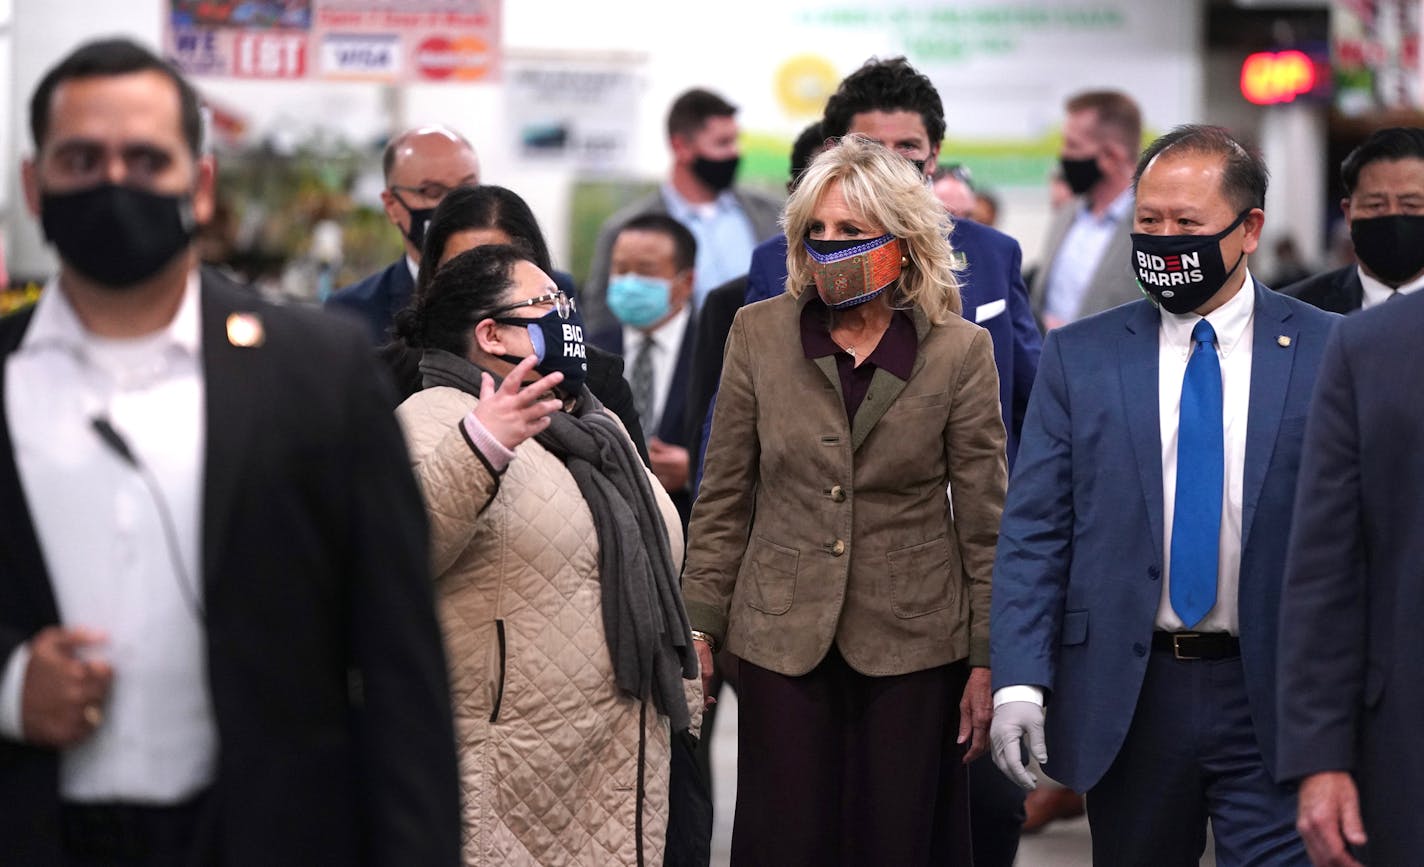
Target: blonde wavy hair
{"type": "Point", "coordinates": [884, 188]}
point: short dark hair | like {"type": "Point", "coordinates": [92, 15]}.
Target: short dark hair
{"type": "Point", "coordinates": [885, 85]}
{"type": "Point", "coordinates": [107, 58]}
{"type": "Point", "coordinates": [691, 111]}
{"type": "Point", "coordinates": [805, 148]}
{"type": "Point", "coordinates": [464, 291]}
{"type": "Point", "coordinates": [1244, 178]}
{"type": "Point", "coordinates": [1117, 115]}
{"type": "Point", "coordinates": [684, 245]}
{"type": "Point", "coordinates": [1392, 143]}
{"type": "Point", "coordinates": [483, 207]}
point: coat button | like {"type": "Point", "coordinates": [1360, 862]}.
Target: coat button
{"type": "Point", "coordinates": [1138, 648]}
{"type": "Point", "coordinates": [838, 493]}
{"type": "Point", "coordinates": [838, 548]}
{"type": "Point", "coordinates": [1154, 572]}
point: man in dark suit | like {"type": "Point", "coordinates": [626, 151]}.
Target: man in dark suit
{"type": "Point", "coordinates": [216, 626]}
{"type": "Point", "coordinates": [650, 294]}
{"type": "Point", "coordinates": [1350, 693]}
{"type": "Point", "coordinates": [1138, 577]}
{"type": "Point", "coordinates": [421, 166]}
{"type": "Point", "coordinates": [1384, 205]}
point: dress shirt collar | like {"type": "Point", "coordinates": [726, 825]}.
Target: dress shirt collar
{"type": "Point", "coordinates": [684, 211]}
{"type": "Point", "coordinates": [1229, 321]}
{"type": "Point", "coordinates": [1378, 293]}
{"type": "Point", "coordinates": [56, 324]}
{"type": "Point", "coordinates": [894, 354]}
{"type": "Point", "coordinates": [412, 267]}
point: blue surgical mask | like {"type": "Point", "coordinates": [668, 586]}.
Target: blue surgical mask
{"type": "Point", "coordinates": [639, 301]}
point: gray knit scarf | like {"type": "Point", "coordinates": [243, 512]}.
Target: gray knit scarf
{"type": "Point", "coordinates": [644, 621]}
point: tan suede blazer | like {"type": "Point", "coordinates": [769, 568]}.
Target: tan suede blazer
{"type": "Point", "coordinates": [809, 529]}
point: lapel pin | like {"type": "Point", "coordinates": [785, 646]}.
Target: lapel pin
{"type": "Point", "coordinates": [245, 329]}
{"type": "Point", "coordinates": [1283, 340]}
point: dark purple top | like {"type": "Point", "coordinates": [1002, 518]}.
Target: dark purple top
{"type": "Point", "coordinates": [895, 353]}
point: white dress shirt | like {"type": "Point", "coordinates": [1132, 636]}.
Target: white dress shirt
{"type": "Point", "coordinates": [667, 344]}
{"type": "Point", "coordinates": [1232, 323]}
{"type": "Point", "coordinates": [1078, 256]}
{"type": "Point", "coordinates": [104, 543]}
{"type": "Point", "coordinates": [1378, 293]}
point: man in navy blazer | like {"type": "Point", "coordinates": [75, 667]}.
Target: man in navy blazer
{"type": "Point", "coordinates": [1351, 700]}
{"type": "Point", "coordinates": [1138, 576]}
{"type": "Point", "coordinates": [650, 293]}
{"type": "Point", "coordinates": [420, 166]}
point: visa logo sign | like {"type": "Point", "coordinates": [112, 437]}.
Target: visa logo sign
{"type": "Point", "coordinates": [361, 55]}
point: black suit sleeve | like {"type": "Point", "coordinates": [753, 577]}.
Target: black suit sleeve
{"type": "Point", "coordinates": [605, 380]}
{"type": "Point", "coordinates": [408, 778]}
{"type": "Point", "coordinates": [713, 325]}
{"type": "Point", "coordinates": [1323, 601]}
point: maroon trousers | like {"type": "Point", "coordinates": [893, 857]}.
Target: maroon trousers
{"type": "Point", "coordinates": [840, 768]}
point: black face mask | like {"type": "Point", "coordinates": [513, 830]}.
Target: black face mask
{"type": "Point", "coordinates": [1080, 175]}
{"type": "Point", "coordinates": [558, 344]}
{"type": "Point", "coordinates": [718, 175]}
{"type": "Point", "coordinates": [1182, 272]}
{"type": "Point", "coordinates": [419, 220]}
{"type": "Point", "coordinates": [1391, 247]}
{"type": "Point", "coordinates": [115, 235]}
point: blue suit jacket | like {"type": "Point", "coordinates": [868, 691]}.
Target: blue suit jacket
{"type": "Point", "coordinates": [673, 426]}
{"type": "Point", "coordinates": [1077, 579]}
{"type": "Point", "coordinates": [376, 299]}
{"type": "Point", "coordinates": [994, 295]}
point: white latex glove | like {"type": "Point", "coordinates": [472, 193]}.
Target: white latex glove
{"type": "Point", "coordinates": [1013, 723]}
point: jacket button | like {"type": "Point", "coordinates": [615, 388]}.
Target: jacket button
{"type": "Point", "coordinates": [838, 493]}
{"type": "Point", "coordinates": [838, 548]}
{"type": "Point", "coordinates": [1154, 572]}
{"type": "Point", "coordinates": [1138, 648]}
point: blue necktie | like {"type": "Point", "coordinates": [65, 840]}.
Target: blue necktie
{"type": "Point", "coordinates": [1201, 466]}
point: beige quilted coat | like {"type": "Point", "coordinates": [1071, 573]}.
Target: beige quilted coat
{"type": "Point", "coordinates": [548, 746]}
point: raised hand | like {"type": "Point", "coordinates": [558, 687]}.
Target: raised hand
{"type": "Point", "coordinates": [514, 412]}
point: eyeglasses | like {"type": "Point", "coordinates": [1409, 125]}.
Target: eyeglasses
{"type": "Point", "coordinates": [432, 191]}
{"type": "Point", "coordinates": [563, 305]}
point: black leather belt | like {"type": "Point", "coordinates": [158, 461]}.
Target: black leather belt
{"type": "Point", "coordinates": [130, 831]}
{"type": "Point", "coordinates": [1197, 645]}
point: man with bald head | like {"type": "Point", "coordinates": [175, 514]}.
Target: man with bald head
{"type": "Point", "coordinates": [421, 166]}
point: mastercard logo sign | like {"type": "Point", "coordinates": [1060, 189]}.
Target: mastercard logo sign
{"type": "Point", "coordinates": [467, 58]}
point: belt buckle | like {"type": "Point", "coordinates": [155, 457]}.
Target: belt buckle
{"type": "Point", "coordinates": [1177, 645]}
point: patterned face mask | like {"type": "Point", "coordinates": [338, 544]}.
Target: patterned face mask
{"type": "Point", "coordinates": [853, 272]}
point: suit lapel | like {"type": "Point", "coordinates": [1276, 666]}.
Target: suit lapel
{"type": "Point", "coordinates": [20, 554]}
{"type": "Point", "coordinates": [1273, 350]}
{"type": "Point", "coordinates": [884, 388]}
{"type": "Point", "coordinates": [1352, 291]}
{"type": "Point", "coordinates": [1139, 365]}
{"type": "Point", "coordinates": [231, 391]}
